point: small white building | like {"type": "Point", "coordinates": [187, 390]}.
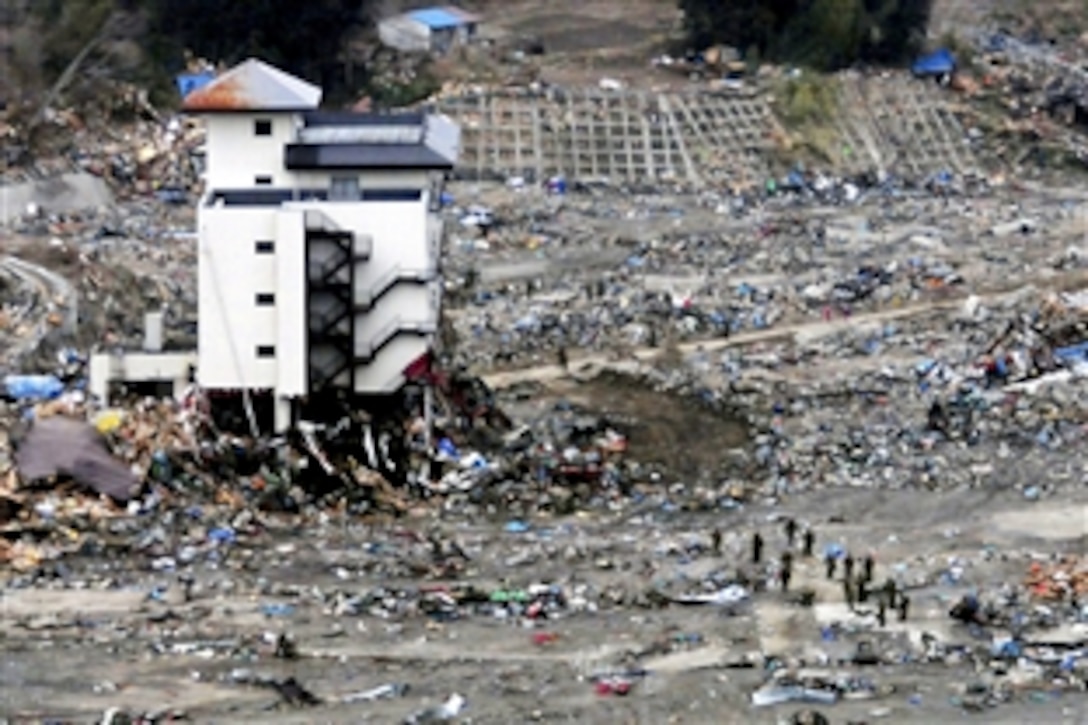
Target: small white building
{"type": "Point", "coordinates": [319, 242]}
{"type": "Point", "coordinates": [429, 30]}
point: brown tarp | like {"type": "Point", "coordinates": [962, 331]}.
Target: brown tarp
{"type": "Point", "coordinates": [59, 446]}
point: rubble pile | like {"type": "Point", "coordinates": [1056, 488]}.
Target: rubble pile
{"type": "Point", "coordinates": [120, 137]}
{"type": "Point", "coordinates": [605, 273]}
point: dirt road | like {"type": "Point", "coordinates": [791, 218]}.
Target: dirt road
{"type": "Point", "coordinates": [811, 329]}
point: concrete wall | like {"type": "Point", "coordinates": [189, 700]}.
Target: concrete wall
{"type": "Point", "coordinates": [236, 155]}
{"type": "Point", "coordinates": [292, 371]}
{"type": "Point", "coordinates": [106, 368]}
{"type": "Point", "coordinates": [231, 273]}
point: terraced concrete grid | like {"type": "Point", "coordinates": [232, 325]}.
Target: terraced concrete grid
{"type": "Point", "coordinates": [620, 136]}
{"type": "Point", "coordinates": [901, 125]}
{"type": "Point", "coordinates": [889, 123]}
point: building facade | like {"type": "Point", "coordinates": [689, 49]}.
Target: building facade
{"type": "Point", "coordinates": [319, 242]}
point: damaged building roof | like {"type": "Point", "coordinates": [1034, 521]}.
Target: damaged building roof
{"type": "Point", "coordinates": [254, 85]}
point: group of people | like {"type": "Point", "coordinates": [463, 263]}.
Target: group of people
{"type": "Point", "coordinates": [858, 581]}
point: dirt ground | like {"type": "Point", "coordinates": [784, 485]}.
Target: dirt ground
{"type": "Point", "coordinates": [685, 436]}
{"type": "Point", "coordinates": [110, 646]}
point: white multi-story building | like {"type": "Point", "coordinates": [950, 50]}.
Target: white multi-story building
{"type": "Point", "coordinates": [319, 242]}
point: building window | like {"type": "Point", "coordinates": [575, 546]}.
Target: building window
{"type": "Point", "coordinates": [392, 195]}
{"type": "Point", "coordinates": [263, 246]}
{"type": "Point", "coordinates": [344, 188]}
{"type": "Point", "coordinates": [265, 298]}
{"type": "Point", "coordinates": [266, 351]}
{"type": "Point", "coordinates": [263, 180]}
{"type": "Point", "coordinates": [262, 127]}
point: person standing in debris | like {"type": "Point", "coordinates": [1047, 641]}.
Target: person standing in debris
{"type": "Point", "coordinates": [904, 607]}
{"type": "Point", "coordinates": [757, 548]}
{"type": "Point", "coordinates": [848, 593]}
{"type": "Point", "coordinates": [881, 613]}
{"type": "Point", "coordinates": [937, 418]}
{"type": "Point", "coordinates": [889, 591]}
{"type": "Point", "coordinates": [808, 541]}
{"type": "Point", "coordinates": [848, 567]}
{"type": "Point", "coordinates": [716, 541]}
{"type": "Point", "coordinates": [830, 563]}
{"type": "Point", "coordinates": [863, 589]}
{"type": "Point", "coordinates": [561, 357]}
{"type": "Point", "coordinates": [867, 567]}
{"type": "Point", "coordinates": [787, 570]}
{"type": "Point", "coordinates": [791, 532]}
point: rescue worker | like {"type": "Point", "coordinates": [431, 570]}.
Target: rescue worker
{"type": "Point", "coordinates": [863, 590]}
{"type": "Point", "coordinates": [867, 565]}
{"type": "Point", "coordinates": [716, 541]}
{"type": "Point", "coordinates": [808, 541]}
{"type": "Point", "coordinates": [830, 564]}
{"type": "Point", "coordinates": [791, 532]}
{"type": "Point", "coordinates": [787, 570]}
{"type": "Point", "coordinates": [757, 548]}
{"type": "Point", "coordinates": [848, 567]}
{"type": "Point", "coordinates": [904, 607]}
{"type": "Point", "coordinates": [889, 590]}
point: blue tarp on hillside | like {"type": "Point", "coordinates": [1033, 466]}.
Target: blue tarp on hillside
{"type": "Point", "coordinates": [937, 63]}
{"type": "Point", "coordinates": [189, 82]}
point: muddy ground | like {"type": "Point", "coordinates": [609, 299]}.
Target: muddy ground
{"type": "Point", "coordinates": [73, 653]}
{"type": "Point", "coordinates": [113, 629]}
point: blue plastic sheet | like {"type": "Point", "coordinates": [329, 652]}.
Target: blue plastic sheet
{"type": "Point", "coordinates": [33, 387]}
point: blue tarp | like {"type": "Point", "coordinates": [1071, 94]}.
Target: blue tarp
{"type": "Point", "coordinates": [33, 387]}
{"type": "Point", "coordinates": [189, 82]}
{"type": "Point", "coordinates": [937, 63]}
{"type": "Point", "coordinates": [1072, 353]}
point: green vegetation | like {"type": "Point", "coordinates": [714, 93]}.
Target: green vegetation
{"type": "Point", "coordinates": [806, 101]}
{"type": "Point", "coordinates": [146, 41]}
{"type": "Point", "coordinates": [808, 106]}
{"type": "Point", "coordinates": [820, 34]}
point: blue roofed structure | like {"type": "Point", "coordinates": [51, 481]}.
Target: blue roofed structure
{"type": "Point", "coordinates": [938, 63]}
{"type": "Point", "coordinates": [437, 18]}
{"type": "Point", "coordinates": [433, 30]}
